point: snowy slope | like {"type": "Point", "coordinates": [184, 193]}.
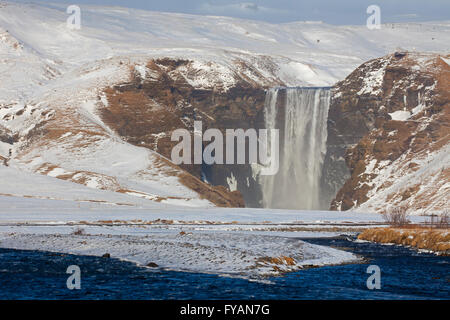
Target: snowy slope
{"type": "Point", "coordinates": [290, 51]}
{"type": "Point", "coordinates": [60, 135]}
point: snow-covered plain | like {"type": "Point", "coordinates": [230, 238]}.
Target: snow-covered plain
{"type": "Point", "coordinates": [233, 242]}
{"type": "Point", "coordinates": [244, 242]}
{"type": "Point", "coordinates": [49, 72]}
{"type": "Point", "coordinates": [242, 254]}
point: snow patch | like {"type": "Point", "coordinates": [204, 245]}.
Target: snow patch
{"type": "Point", "coordinates": [400, 115]}
{"type": "Point", "coordinates": [232, 182]}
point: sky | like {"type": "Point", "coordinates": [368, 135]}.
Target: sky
{"type": "Point", "coordinates": [281, 11]}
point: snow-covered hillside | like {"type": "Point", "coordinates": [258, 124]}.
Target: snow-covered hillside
{"type": "Point", "coordinates": [37, 45]}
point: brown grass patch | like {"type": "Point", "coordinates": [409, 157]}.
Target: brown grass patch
{"type": "Point", "coordinates": [437, 240]}
{"type": "Point", "coordinates": [282, 260]}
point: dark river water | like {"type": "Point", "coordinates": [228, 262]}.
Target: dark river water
{"type": "Point", "coordinates": [405, 274]}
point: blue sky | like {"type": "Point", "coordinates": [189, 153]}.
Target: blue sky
{"type": "Point", "coordinates": [276, 11]}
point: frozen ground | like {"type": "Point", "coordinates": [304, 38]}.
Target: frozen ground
{"type": "Point", "coordinates": [210, 252]}
{"type": "Point", "coordinates": [233, 242]}
{"type": "Point", "coordinates": [215, 245]}
{"type": "Point", "coordinates": [20, 210]}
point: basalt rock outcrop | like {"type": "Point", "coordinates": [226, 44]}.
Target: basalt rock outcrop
{"type": "Point", "coordinates": [389, 123]}
{"type": "Point", "coordinates": [168, 94]}
{"type": "Point", "coordinates": [388, 127]}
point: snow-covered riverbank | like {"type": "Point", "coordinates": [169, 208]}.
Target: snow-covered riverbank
{"type": "Point", "coordinates": [229, 253]}
{"type": "Point", "coordinates": [238, 242]}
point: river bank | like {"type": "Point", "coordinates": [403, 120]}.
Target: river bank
{"type": "Point", "coordinates": [405, 274]}
{"type": "Point", "coordinates": [435, 240]}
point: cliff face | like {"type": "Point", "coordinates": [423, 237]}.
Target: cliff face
{"type": "Point", "coordinates": [387, 126]}
{"type": "Point", "coordinates": [61, 135]}
{"type": "Point", "coordinates": [168, 94]}
{"type": "Point", "coordinates": [390, 121]}
{"type": "Point", "coordinates": [388, 130]}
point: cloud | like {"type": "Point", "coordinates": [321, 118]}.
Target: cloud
{"type": "Point", "coordinates": [249, 6]}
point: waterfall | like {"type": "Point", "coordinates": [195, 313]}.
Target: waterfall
{"type": "Point", "coordinates": [303, 136]}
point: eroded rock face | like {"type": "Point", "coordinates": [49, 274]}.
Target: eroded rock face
{"type": "Point", "coordinates": [387, 122]}
{"type": "Point", "coordinates": [390, 122]}
{"type": "Point", "coordinates": [168, 94]}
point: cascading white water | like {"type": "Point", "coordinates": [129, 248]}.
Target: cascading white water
{"type": "Point", "coordinates": [303, 136]}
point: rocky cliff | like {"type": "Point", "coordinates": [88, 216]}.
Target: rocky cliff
{"type": "Point", "coordinates": [168, 94]}
{"type": "Point", "coordinates": [389, 122]}
{"type": "Point", "coordinates": [95, 107]}
{"type": "Point", "coordinates": [103, 134]}
{"type": "Point", "coordinates": [388, 132]}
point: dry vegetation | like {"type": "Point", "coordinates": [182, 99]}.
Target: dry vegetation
{"type": "Point", "coordinates": [78, 232]}
{"type": "Point", "coordinates": [442, 221]}
{"type": "Point", "coordinates": [434, 235]}
{"type": "Point", "coordinates": [436, 240]}
{"type": "Point", "coordinates": [397, 216]}
{"type": "Point", "coordinates": [277, 263]}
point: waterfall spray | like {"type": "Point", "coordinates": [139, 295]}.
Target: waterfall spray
{"type": "Point", "coordinates": [303, 147]}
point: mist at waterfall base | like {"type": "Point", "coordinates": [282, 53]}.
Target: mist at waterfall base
{"type": "Point", "coordinates": [302, 121]}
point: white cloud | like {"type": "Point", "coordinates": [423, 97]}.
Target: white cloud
{"type": "Point", "coordinates": [249, 6]}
